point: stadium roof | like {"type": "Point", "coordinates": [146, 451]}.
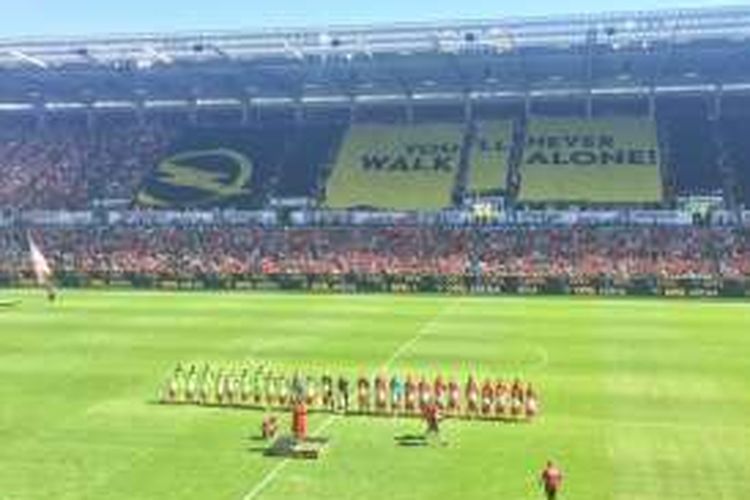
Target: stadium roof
{"type": "Point", "coordinates": [634, 53]}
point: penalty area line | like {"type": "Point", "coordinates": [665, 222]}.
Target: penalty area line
{"type": "Point", "coordinates": [424, 330]}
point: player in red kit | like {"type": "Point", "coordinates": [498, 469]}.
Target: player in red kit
{"type": "Point", "coordinates": [488, 394]}
{"type": "Point", "coordinates": [502, 398]}
{"type": "Point", "coordinates": [425, 393]}
{"type": "Point", "coordinates": [551, 479]}
{"type": "Point", "coordinates": [432, 417]}
{"type": "Point", "coordinates": [532, 403]}
{"type": "Point", "coordinates": [363, 394]}
{"type": "Point", "coordinates": [269, 427]}
{"type": "Point", "coordinates": [440, 391]}
{"type": "Point", "coordinates": [299, 421]}
{"type": "Point", "coordinates": [381, 393]}
{"type": "Point", "coordinates": [516, 399]}
{"type": "Point", "coordinates": [472, 396]}
{"type": "Point", "coordinates": [411, 394]}
{"type": "Point", "coordinates": [454, 397]}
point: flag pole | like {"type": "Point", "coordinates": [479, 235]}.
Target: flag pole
{"type": "Point", "coordinates": [41, 268]}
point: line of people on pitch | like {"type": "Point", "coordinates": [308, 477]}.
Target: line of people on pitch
{"type": "Point", "coordinates": [262, 387]}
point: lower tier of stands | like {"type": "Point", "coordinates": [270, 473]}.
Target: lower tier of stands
{"type": "Point", "coordinates": [571, 253]}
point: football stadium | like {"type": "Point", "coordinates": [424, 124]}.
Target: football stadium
{"type": "Point", "coordinates": [505, 259]}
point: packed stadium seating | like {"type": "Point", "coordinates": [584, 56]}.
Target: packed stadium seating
{"type": "Point", "coordinates": [692, 150]}
{"type": "Point", "coordinates": [607, 161]}
{"type": "Point", "coordinates": [734, 131]}
{"type": "Point", "coordinates": [397, 166]}
{"type": "Point", "coordinates": [524, 252]}
{"type": "Point", "coordinates": [310, 148]}
{"type": "Point", "coordinates": [167, 162]}
{"type": "Point", "coordinates": [67, 165]}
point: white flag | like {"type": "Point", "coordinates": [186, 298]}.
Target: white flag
{"type": "Point", "coordinates": [39, 263]}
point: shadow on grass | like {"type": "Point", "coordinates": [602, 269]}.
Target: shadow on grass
{"type": "Point", "coordinates": [411, 440]}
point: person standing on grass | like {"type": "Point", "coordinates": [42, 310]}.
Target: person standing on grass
{"type": "Point", "coordinates": [343, 387]}
{"type": "Point", "coordinates": [551, 480]}
{"type": "Point", "coordinates": [397, 393]}
{"type": "Point", "coordinates": [432, 416]}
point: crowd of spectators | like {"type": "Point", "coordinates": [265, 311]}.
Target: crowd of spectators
{"type": "Point", "coordinates": [68, 162]}
{"type": "Point", "coordinates": [523, 252]}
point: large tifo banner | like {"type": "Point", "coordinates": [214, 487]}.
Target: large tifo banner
{"type": "Point", "coordinates": [612, 160]}
{"type": "Point", "coordinates": [401, 167]}
{"type": "Point", "coordinates": [211, 166]}
{"type": "Point", "coordinates": [208, 167]}
{"type": "Point", "coordinates": [489, 156]}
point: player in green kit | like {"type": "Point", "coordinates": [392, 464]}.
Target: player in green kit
{"type": "Point", "coordinates": [311, 393]}
{"type": "Point", "coordinates": [283, 391]}
{"type": "Point", "coordinates": [177, 385]}
{"type": "Point", "coordinates": [207, 385]}
{"type": "Point", "coordinates": [220, 387]}
{"type": "Point", "coordinates": [269, 388]}
{"type": "Point", "coordinates": [191, 388]}
{"type": "Point", "coordinates": [258, 386]}
{"type": "Point", "coordinates": [246, 387]}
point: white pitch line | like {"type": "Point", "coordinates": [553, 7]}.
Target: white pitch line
{"type": "Point", "coordinates": [271, 475]}
{"type": "Point", "coordinates": [426, 328]}
{"type": "Point", "coordinates": [281, 465]}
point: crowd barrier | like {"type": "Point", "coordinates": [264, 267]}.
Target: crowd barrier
{"type": "Point", "coordinates": [645, 285]}
{"type": "Point", "coordinates": [313, 217]}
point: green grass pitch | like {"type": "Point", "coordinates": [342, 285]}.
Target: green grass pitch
{"type": "Point", "coordinates": [641, 399]}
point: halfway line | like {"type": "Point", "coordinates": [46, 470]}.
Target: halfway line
{"type": "Point", "coordinates": [425, 329]}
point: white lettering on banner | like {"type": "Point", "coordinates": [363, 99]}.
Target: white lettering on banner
{"type": "Point", "coordinates": [665, 217]}
{"type": "Point", "coordinates": [58, 218]}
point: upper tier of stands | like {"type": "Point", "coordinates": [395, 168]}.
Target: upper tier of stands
{"type": "Point", "coordinates": [238, 166]}
{"type": "Point", "coordinates": [67, 164]}
{"type": "Point", "coordinates": [692, 149]}
{"type": "Point", "coordinates": [736, 133]}
{"type": "Point", "coordinates": [396, 166]}
{"type": "Point", "coordinates": [613, 160]}
{"type": "Point", "coordinates": [168, 162]}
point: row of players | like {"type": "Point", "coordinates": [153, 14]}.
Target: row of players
{"type": "Point", "coordinates": [261, 386]}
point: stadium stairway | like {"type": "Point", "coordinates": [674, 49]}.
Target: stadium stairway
{"type": "Point", "coordinates": [462, 174]}
{"type": "Point", "coordinates": [513, 181]}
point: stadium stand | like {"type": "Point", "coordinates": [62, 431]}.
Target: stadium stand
{"type": "Point", "coordinates": [68, 165]}
{"type": "Point", "coordinates": [239, 166]}
{"type": "Point", "coordinates": [489, 155]}
{"type": "Point", "coordinates": [399, 167]}
{"type": "Point", "coordinates": [570, 252]}
{"type": "Point", "coordinates": [311, 148]}
{"type": "Point", "coordinates": [692, 152]}
{"type": "Point", "coordinates": [607, 161]}
{"type": "Point", "coordinates": [215, 166]}
{"type": "Point", "coordinates": [734, 131]}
